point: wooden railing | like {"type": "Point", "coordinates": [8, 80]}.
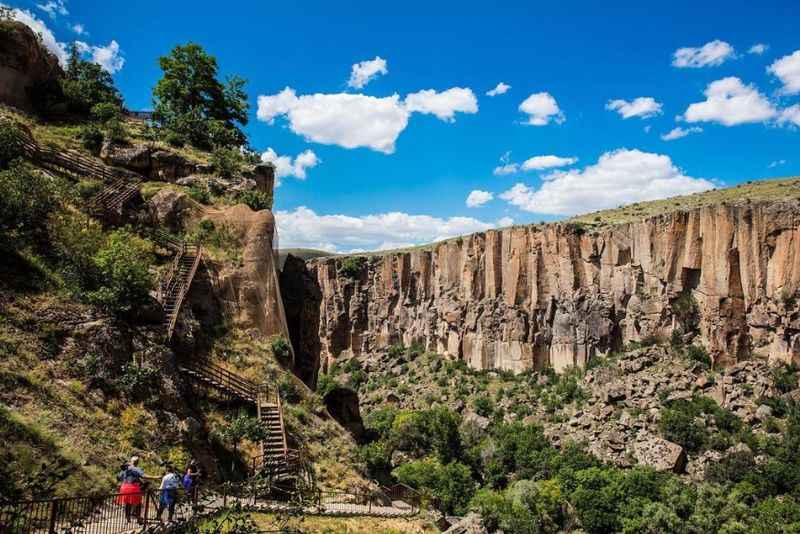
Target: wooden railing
{"type": "Point", "coordinates": [176, 286]}
{"type": "Point", "coordinates": [228, 380]}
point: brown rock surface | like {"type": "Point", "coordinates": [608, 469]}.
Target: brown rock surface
{"type": "Point", "coordinates": [24, 64]}
{"type": "Point", "coordinates": [556, 295]}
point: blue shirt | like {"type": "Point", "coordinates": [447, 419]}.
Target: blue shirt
{"type": "Point", "coordinates": [133, 475]}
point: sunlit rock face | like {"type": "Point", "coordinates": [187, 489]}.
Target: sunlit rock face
{"type": "Point", "coordinates": [556, 295]}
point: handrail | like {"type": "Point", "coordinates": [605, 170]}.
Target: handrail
{"type": "Point", "coordinates": [241, 386]}
{"type": "Point", "coordinates": [183, 289]}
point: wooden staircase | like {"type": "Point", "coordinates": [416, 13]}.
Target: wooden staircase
{"type": "Point", "coordinates": [175, 283]}
{"type": "Point", "coordinates": [277, 461]}
{"type": "Point", "coordinates": [120, 186]}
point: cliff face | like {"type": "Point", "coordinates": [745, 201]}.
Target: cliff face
{"type": "Point", "coordinates": [556, 295]}
{"type": "Point", "coordinates": [24, 64]}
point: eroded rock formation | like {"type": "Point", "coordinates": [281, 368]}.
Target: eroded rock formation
{"type": "Point", "coordinates": [25, 65]}
{"type": "Point", "coordinates": [558, 294]}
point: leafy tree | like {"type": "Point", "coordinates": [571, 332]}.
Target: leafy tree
{"type": "Point", "coordinates": [27, 198]}
{"type": "Point", "coordinates": [87, 84]}
{"type": "Point", "coordinates": [242, 427]}
{"type": "Point", "coordinates": [123, 263]}
{"type": "Point", "coordinates": [451, 485]}
{"type": "Point", "coordinates": [191, 103]}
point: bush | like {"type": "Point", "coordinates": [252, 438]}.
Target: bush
{"type": "Point", "coordinates": [451, 485]}
{"type": "Point", "coordinates": [784, 378]}
{"type": "Point", "coordinates": [288, 390]}
{"type": "Point", "coordinates": [698, 354]}
{"type": "Point", "coordinates": [91, 138]}
{"type": "Point", "coordinates": [256, 200]}
{"type": "Point", "coordinates": [227, 162]}
{"type": "Point", "coordinates": [200, 194]}
{"type": "Point", "coordinates": [351, 266]}
{"type": "Point", "coordinates": [483, 406]}
{"type": "Point", "coordinates": [140, 382]}
{"type": "Point", "coordinates": [326, 384]}
{"type": "Point", "coordinates": [281, 349]}
{"type": "Point", "coordinates": [105, 111]}
{"type": "Point", "coordinates": [27, 198]}
{"type": "Point", "coordinates": [124, 265]}
{"type": "Point", "coordinates": [11, 146]}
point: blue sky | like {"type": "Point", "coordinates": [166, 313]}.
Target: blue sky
{"type": "Point", "coordinates": [377, 171]}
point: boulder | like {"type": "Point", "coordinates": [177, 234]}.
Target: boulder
{"type": "Point", "coordinates": [25, 65]}
{"type": "Point", "coordinates": [167, 166]}
{"type": "Point", "coordinates": [763, 412]}
{"type": "Point", "coordinates": [477, 420]}
{"type": "Point", "coordinates": [132, 157]}
{"type": "Point", "coordinates": [660, 454]}
{"type": "Point", "coordinates": [171, 209]}
{"type": "Point", "coordinates": [470, 524]}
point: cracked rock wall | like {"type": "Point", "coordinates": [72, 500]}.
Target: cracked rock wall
{"type": "Point", "coordinates": [557, 294]}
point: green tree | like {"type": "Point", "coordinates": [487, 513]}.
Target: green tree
{"type": "Point", "coordinates": [123, 264]}
{"type": "Point", "coordinates": [192, 103]}
{"type": "Point", "coordinates": [87, 84]}
{"type": "Point", "coordinates": [27, 198]}
{"type": "Point", "coordinates": [242, 427]}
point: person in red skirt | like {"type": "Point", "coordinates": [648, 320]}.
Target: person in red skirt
{"type": "Point", "coordinates": [130, 490]}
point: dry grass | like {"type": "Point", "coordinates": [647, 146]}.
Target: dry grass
{"type": "Point", "coordinates": [350, 525]}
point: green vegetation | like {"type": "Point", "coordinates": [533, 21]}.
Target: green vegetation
{"type": "Point", "coordinates": [87, 86]}
{"type": "Point", "coordinates": [193, 106]}
{"type": "Point", "coordinates": [256, 200]}
{"type": "Point", "coordinates": [351, 266]}
{"type": "Point", "coordinates": [10, 144]}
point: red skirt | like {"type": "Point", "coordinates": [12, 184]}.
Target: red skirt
{"type": "Point", "coordinates": [130, 493]}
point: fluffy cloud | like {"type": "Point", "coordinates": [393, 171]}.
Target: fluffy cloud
{"type": "Point", "coordinates": [500, 89]}
{"type": "Point", "coordinates": [365, 71]}
{"type": "Point", "coordinates": [48, 39]}
{"type": "Point", "coordinates": [347, 120]}
{"type": "Point", "coordinates": [643, 107]}
{"type": "Point", "coordinates": [356, 120]}
{"type": "Point", "coordinates": [79, 29]}
{"type": "Point", "coordinates": [305, 228]}
{"type": "Point", "coordinates": [445, 104]}
{"type": "Point", "coordinates": [478, 198]}
{"type": "Point", "coordinates": [504, 221]}
{"type": "Point", "coordinates": [730, 102]}
{"type": "Point", "coordinates": [787, 69]}
{"type": "Point", "coordinates": [790, 115]}
{"type": "Point", "coordinates": [618, 177]}
{"type": "Point", "coordinates": [541, 108]}
{"type": "Point", "coordinates": [54, 8]}
{"type": "Point", "coordinates": [678, 132]}
{"type": "Point", "coordinates": [109, 57]}
{"type": "Point", "coordinates": [536, 163]}
{"type": "Point", "coordinates": [758, 49]}
{"type": "Point", "coordinates": [710, 54]}
{"type": "Point", "coordinates": [286, 166]}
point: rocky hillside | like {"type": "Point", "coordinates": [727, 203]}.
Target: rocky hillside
{"type": "Point", "coordinates": [722, 269]}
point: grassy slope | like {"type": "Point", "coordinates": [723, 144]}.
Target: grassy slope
{"type": "Point", "coordinates": [350, 525]}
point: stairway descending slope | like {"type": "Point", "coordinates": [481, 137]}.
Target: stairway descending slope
{"type": "Point", "coordinates": [277, 461]}
{"type": "Point", "coordinates": [175, 284]}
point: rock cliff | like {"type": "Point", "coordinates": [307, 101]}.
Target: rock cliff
{"type": "Point", "coordinates": [559, 294]}
{"type": "Point", "coordinates": [25, 65]}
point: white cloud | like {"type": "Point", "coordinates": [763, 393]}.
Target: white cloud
{"type": "Point", "coordinates": [286, 166]}
{"type": "Point", "coordinates": [500, 89]}
{"type": "Point", "coordinates": [538, 163]}
{"type": "Point", "coordinates": [758, 49]}
{"type": "Point", "coordinates": [48, 39]}
{"type": "Point", "coordinates": [787, 69]}
{"type": "Point", "coordinates": [356, 120]}
{"type": "Point", "coordinates": [541, 109]}
{"type": "Point", "coordinates": [79, 29]}
{"type": "Point", "coordinates": [54, 8]}
{"type": "Point", "coordinates": [647, 128]}
{"type": "Point", "coordinates": [505, 221]}
{"type": "Point", "coordinates": [109, 57]}
{"type": "Point", "coordinates": [790, 115]}
{"type": "Point", "coordinates": [347, 120]}
{"type": "Point", "coordinates": [710, 54]}
{"type": "Point", "coordinates": [618, 177]}
{"type": "Point", "coordinates": [365, 71]}
{"type": "Point", "coordinates": [304, 228]}
{"type": "Point", "coordinates": [730, 102]}
{"type": "Point", "coordinates": [678, 132]}
{"type": "Point", "coordinates": [776, 163]}
{"type": "Point", "coordinates": [643, 107]}
{"type": "Point", "coordinates": [445, 104]}
{"type": "Point", "coordinates": [507, 168]}
{"type": "Point", "coordinates": [478, 198]}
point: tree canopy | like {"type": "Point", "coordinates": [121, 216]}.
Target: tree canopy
{"type": "Point", "coordinates": [193, 105]}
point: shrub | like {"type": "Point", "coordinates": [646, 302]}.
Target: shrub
{"type": "Point", "coordinates": [698, 354]}
{"type": "Point", "coordinates": [288, 390]}
{"type": "Point", "coordinates": [200, 194]}
{"type": "Point", "coordinates": [451, 485]}
{"type": "Point", "coordinates": [784, 378]}
{"type": "Point", "coordinates": [123, 262]}
{"type": "Point", "coordinates": [27, 198]}
{"type": "Point", "coordinates": [325, 384]}
{"type": "Point", "coordinates": [91, 138]}
{"type": "Point", "coordinates": [11, 146]}
{"type": "Point", "coordinates": [351, 267]}
{"type": "Point", "coordinates": [281, 349]}
{"type": "Point", "coordinates": [256, 200]}
{"type": "Point", "coordinates": [174, 139]}
{"type": "Point", "coordinates": [483, 406]}
{"type": "Point", "coordinates": [140, 382]}
{"type": "Point", "coordinates": [105, 111]}
{"type": "Point", "coordinates": [227, 162]}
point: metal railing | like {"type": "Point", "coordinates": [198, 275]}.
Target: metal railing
{"type": "Point", "coordinates": [107, 514]}
{"type": "Point", "coordinates": [221, 378]}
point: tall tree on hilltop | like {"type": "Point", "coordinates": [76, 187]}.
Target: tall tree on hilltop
{"type": "Point", "coordinates": [193, 105]}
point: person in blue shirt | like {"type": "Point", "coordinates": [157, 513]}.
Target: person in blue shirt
{"type": "Point", "coordinates": [130, 490]}
{"type": "Point", "coordinates": [168, 492]}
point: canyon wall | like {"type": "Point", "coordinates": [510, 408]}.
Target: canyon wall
{"type": "Point", "coordinates": [25, 65]}
{"type": "Point", "coordinates": [723, 276]}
